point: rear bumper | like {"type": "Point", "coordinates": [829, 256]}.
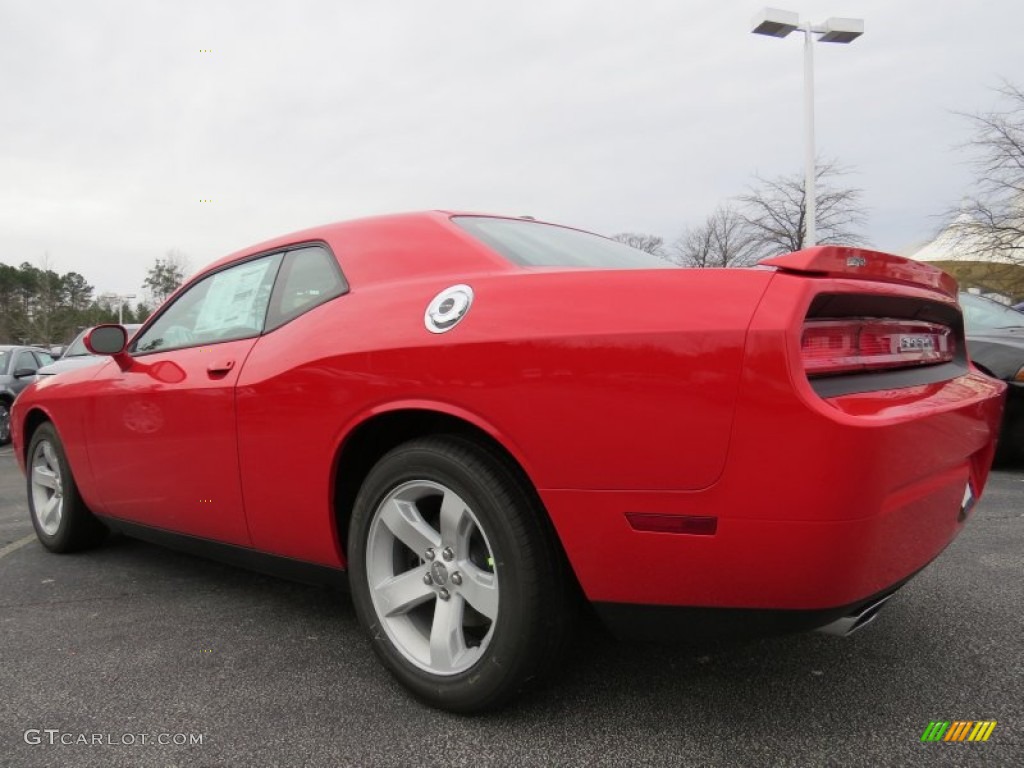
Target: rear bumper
{"type": "Point", "coordinates": [820, 508]}
{"type": "Point", "coordinates": [768, 564]}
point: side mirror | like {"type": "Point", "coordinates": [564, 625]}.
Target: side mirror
{"type": "Point", "coordinates": [106, 340]}
{"type": "Point", "coordinates": [21, 373]}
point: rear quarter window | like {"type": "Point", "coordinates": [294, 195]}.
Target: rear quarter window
{"type": "Point", "coordinates": [310, 276]}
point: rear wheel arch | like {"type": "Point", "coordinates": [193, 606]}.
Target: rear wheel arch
{"type": "Point", "coordinates": [373, 438]}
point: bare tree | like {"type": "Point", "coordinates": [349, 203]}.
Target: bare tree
{"type": "Point", "coordinates": [649, 243]}
{"type": "Point", "coordinates": [775, 211]}
{"type": "Point", "coordinates": [166, 275]}
{"type": "Point", "coordinates": [990, 222]}
{"type": "Point", "coordinates": [724, 239]}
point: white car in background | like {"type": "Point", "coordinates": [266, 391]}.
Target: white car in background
{"type": "Point", "coordinates": [77, 356]}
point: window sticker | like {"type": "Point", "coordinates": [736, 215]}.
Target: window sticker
{"type": "Point", "coordinates": [234, 298]}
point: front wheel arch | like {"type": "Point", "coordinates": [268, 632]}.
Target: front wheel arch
{"type": "Point", "coordinates": [60, 517]}
{"type": "Point", "coordinates": [33, 420]}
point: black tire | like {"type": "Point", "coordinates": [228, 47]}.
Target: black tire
{"type": "Point", "coordinates": [5, 422]}
{"type": "Point", "coordinates": [1010, 448]}
{"type": "Point", "coordinates": [75, 528]}
{"type": "Point", "coordinates": [535, 599]}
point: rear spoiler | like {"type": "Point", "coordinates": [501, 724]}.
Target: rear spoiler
{"type": "Point", "coordinates": [860, 264]}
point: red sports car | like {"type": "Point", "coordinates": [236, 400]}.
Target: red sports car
{"type": "Point", "coordinates": [475, 420]}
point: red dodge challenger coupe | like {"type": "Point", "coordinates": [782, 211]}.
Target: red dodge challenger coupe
{"type": "Point", "coordinates": [475, 420]}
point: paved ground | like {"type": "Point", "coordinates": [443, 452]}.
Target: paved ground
{"type": "Point", "coordinates": [132, 639]}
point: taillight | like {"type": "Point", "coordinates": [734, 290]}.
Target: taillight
{"type": "Point", "coordinates": [857, 345]}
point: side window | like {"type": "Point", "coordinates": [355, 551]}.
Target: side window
{"type": "Point", "coordinates": [26, 361]}
{"type": "Point", "coordinates": [309, 277]}
{"type": "Point", "coordinates": [229, 304]}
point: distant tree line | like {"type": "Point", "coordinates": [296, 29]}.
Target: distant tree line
{"type": "Point", "coordinates": [40, 306]}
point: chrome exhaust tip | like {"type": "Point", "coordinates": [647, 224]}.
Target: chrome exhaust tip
{"type": "Point", "coordinates": [847, 625]}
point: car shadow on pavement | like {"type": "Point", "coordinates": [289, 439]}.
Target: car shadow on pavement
{"type": "Point", "coordinates": [793, 678]}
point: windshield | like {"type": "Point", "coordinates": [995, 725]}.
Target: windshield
{"type": "Point", "coordinates": [5, 357]}
{"type": "Point", "coordinates": [77, 347]}
{"type": "Point", "coordinates": [532, 244]}
{"type": "Point", "coordinates": [985, 315]}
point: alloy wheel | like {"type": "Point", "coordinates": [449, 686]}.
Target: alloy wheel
{"type": "Point", "coordinates": [432, 578]}
{"type": "Point", "coordinates": [47, 488]}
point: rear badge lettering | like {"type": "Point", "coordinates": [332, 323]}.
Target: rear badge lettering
{"type": "Point", "coordinates": [916, 344]}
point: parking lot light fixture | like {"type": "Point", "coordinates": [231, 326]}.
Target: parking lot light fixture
{"type": "Point", "coordinates": [120, 298]}
{"type": "Point", "coordinates": [773, 22]}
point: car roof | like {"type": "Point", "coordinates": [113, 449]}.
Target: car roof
{"type": "Point", "coordinates": [415, 244]}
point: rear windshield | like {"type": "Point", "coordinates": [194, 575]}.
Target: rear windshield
{"type": "Point", "coordinates": [532, 244]}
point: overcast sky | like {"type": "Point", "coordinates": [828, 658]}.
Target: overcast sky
{"type": "Point", "coordinates": [607, 115]}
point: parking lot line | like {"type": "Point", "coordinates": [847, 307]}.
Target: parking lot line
{"type": "Point", "coordinates": [16, 545]}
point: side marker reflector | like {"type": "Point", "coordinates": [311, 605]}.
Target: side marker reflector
{"type": "Point", "coordinates": [655, 523]}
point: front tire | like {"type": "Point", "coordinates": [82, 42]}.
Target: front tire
{"type": "Point", "coordinates": [62, 521]}
{"type": "Point", "coordinates": [5, 422]}
{"type": "Point", "coordinates": [455, 574]}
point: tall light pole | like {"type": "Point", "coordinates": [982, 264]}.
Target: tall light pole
{"type": "Point", "coordinates": [775, 23]}
{"type": "Point", "coordinates": [120, 298]}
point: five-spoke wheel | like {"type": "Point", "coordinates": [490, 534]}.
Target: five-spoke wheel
{"type": "Point", "coordinates": [431, 576]}
{"type": "Point", "coordinates": [46, 487]}
{"type": "Point", "coordinates": [62, 521]}
{"type": "Point", "coordinates": [456, 575]}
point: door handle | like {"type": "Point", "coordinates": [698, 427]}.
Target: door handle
{"type": "Point", "coordinates": [220, 368]}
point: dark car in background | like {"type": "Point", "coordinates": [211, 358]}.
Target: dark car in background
{"type": "Point", "coordinates": [995, 343]}
{"type": "Point", "coordinates": [18, 367]}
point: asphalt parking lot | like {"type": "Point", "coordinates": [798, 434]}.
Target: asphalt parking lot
{"type": "Point", "coordinates": [132, 644]}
